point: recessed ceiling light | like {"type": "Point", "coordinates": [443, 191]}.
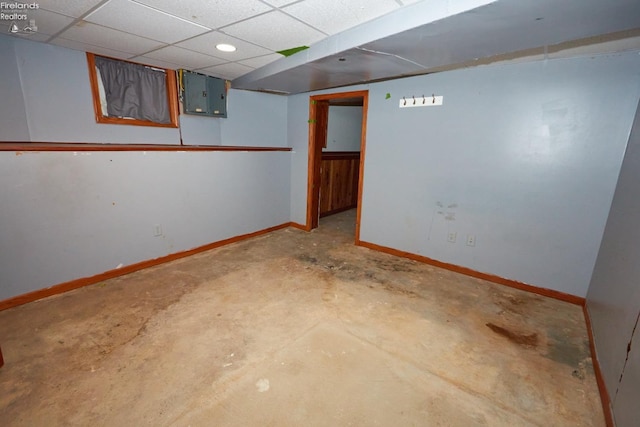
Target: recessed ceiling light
{"type": "Point", "coordinates": [226, 47]}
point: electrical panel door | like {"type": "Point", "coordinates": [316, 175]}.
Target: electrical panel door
{"type": "Point", "coordinates": [217, 90]}
{"type": "Point", "coordinates": [196, 100]}
{"type": "Point", "coordinates": [204, 95]}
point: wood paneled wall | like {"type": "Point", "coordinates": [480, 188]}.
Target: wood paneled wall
{"type": "Point", "coordinates": [339, 172]}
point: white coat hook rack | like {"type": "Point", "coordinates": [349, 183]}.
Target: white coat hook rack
{"type": "Point", "coordinates": [421, 101]}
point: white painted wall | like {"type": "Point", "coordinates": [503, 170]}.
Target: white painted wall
{"type": "Point", "coordinates": [521, 155]}
{"type": "Point", "coordinates": [298, 140]}
{"type": "Point", "coordinates": [51, 83]}
{"type": "Point", "coordinates": [613, 300]}
{"type": "Point", "coordinates": [254, 120]}
{"type": "Point", "coordinates": [197, 130]}
{"type": "Point", "coordinates": [344, 128]}
{"type": "Point", "coordinates": [525, 157]}
{"type": "Point", "coordinates": [66, 215]}
{"type": "Point", "coordinates": [59, 104]}
{"type": "Point", "coordinates": [13, 120]}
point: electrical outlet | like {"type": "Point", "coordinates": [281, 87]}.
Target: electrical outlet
{"type": "Point", "coordinates": [471, 240]}
{"type": "Point", "coordinates": [157, 230]}
{"type": "Point", "coordinates": [451, 237]}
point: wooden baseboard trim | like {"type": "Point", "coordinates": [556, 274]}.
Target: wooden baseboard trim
{"type": "Point", "coordinates": [573, 299]}
{"type": "Point", "coordinates": [298, 226]}
{"type": "Point", "coordinates": [602, 387]}
{"type": "Point", "coordinates": [86, 281]}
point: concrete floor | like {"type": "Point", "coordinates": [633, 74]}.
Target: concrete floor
{"type": "Point", "coordinates": [292, 329]}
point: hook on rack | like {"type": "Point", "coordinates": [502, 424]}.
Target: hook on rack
{"type": "Point", "coordinates": [420, 101]}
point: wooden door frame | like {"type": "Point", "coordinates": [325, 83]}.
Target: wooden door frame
{"type": "Point", "coordinates": [315, 153]}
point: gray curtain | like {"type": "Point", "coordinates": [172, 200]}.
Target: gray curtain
{"type": "Point", "coordinates": [133, 90]}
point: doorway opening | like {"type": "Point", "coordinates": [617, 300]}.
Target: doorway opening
{"type": "Point", "coordinates": [342, 170]}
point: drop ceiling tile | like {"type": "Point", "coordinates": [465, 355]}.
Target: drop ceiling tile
{"type": "Point", "coordinates": [138, 19]}
{"type": "Point", "coordinates": [155, 62]}
{"type": "Point", "coordinates": [275, 31]}
{"type": "Point", "coordinates": [227, 71]}
{"type": "Point", "coordinates": [74, 8]}
{"type": "Point", "coordinates": [183, 57]}
{"type": "Point", "coordinates": [260, 61]}
{"type": "Point", "coordinates": [210, 13]}
{"type": "Point", "coordinates": [279, 3]}
{"type": "Point", "coordinates": [334, 16]}
{"type": "Point", "coordinates": [96, 35]}
{"type": "Point", "coordinates": [206, 44]}
{"type": "Point", "coordinates": [48, 22]}
{"type": "Point", "coordinates": [84, 47]}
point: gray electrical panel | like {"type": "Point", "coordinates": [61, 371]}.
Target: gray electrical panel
{"type": "Point", "coordinates": [204, 95]}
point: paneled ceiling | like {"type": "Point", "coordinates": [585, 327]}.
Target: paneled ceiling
{"type": "Point", "coordinates": [184, 33]}
{"type": "Point", "coordinates": [351, 41]}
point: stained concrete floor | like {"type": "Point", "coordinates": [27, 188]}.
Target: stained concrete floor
{"type": "Point", "coordinates": [293, 329]}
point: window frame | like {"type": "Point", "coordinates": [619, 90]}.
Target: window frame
{"type": "Point", "coordinates": [172, 95]}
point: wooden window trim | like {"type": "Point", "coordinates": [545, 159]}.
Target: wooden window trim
{"type": "Point", "coordinates": [172, 95]}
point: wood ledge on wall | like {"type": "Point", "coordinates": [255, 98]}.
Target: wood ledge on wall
{"type": "Point", "coordinates": [19, 147]}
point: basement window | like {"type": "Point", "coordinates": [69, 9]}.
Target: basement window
{"type": "Point", "coordinates": [129, 93]}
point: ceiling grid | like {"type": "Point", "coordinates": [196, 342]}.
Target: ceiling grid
{"type": "Point", "coordinates": [366, 34]}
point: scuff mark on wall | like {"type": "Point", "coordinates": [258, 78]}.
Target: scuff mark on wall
{"type": "Point", "coordinates": [21, 153]}
{"type": "Point", "coordinates": [449, 215]}
{"type": "Point", "coordinates": [433, 217]}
